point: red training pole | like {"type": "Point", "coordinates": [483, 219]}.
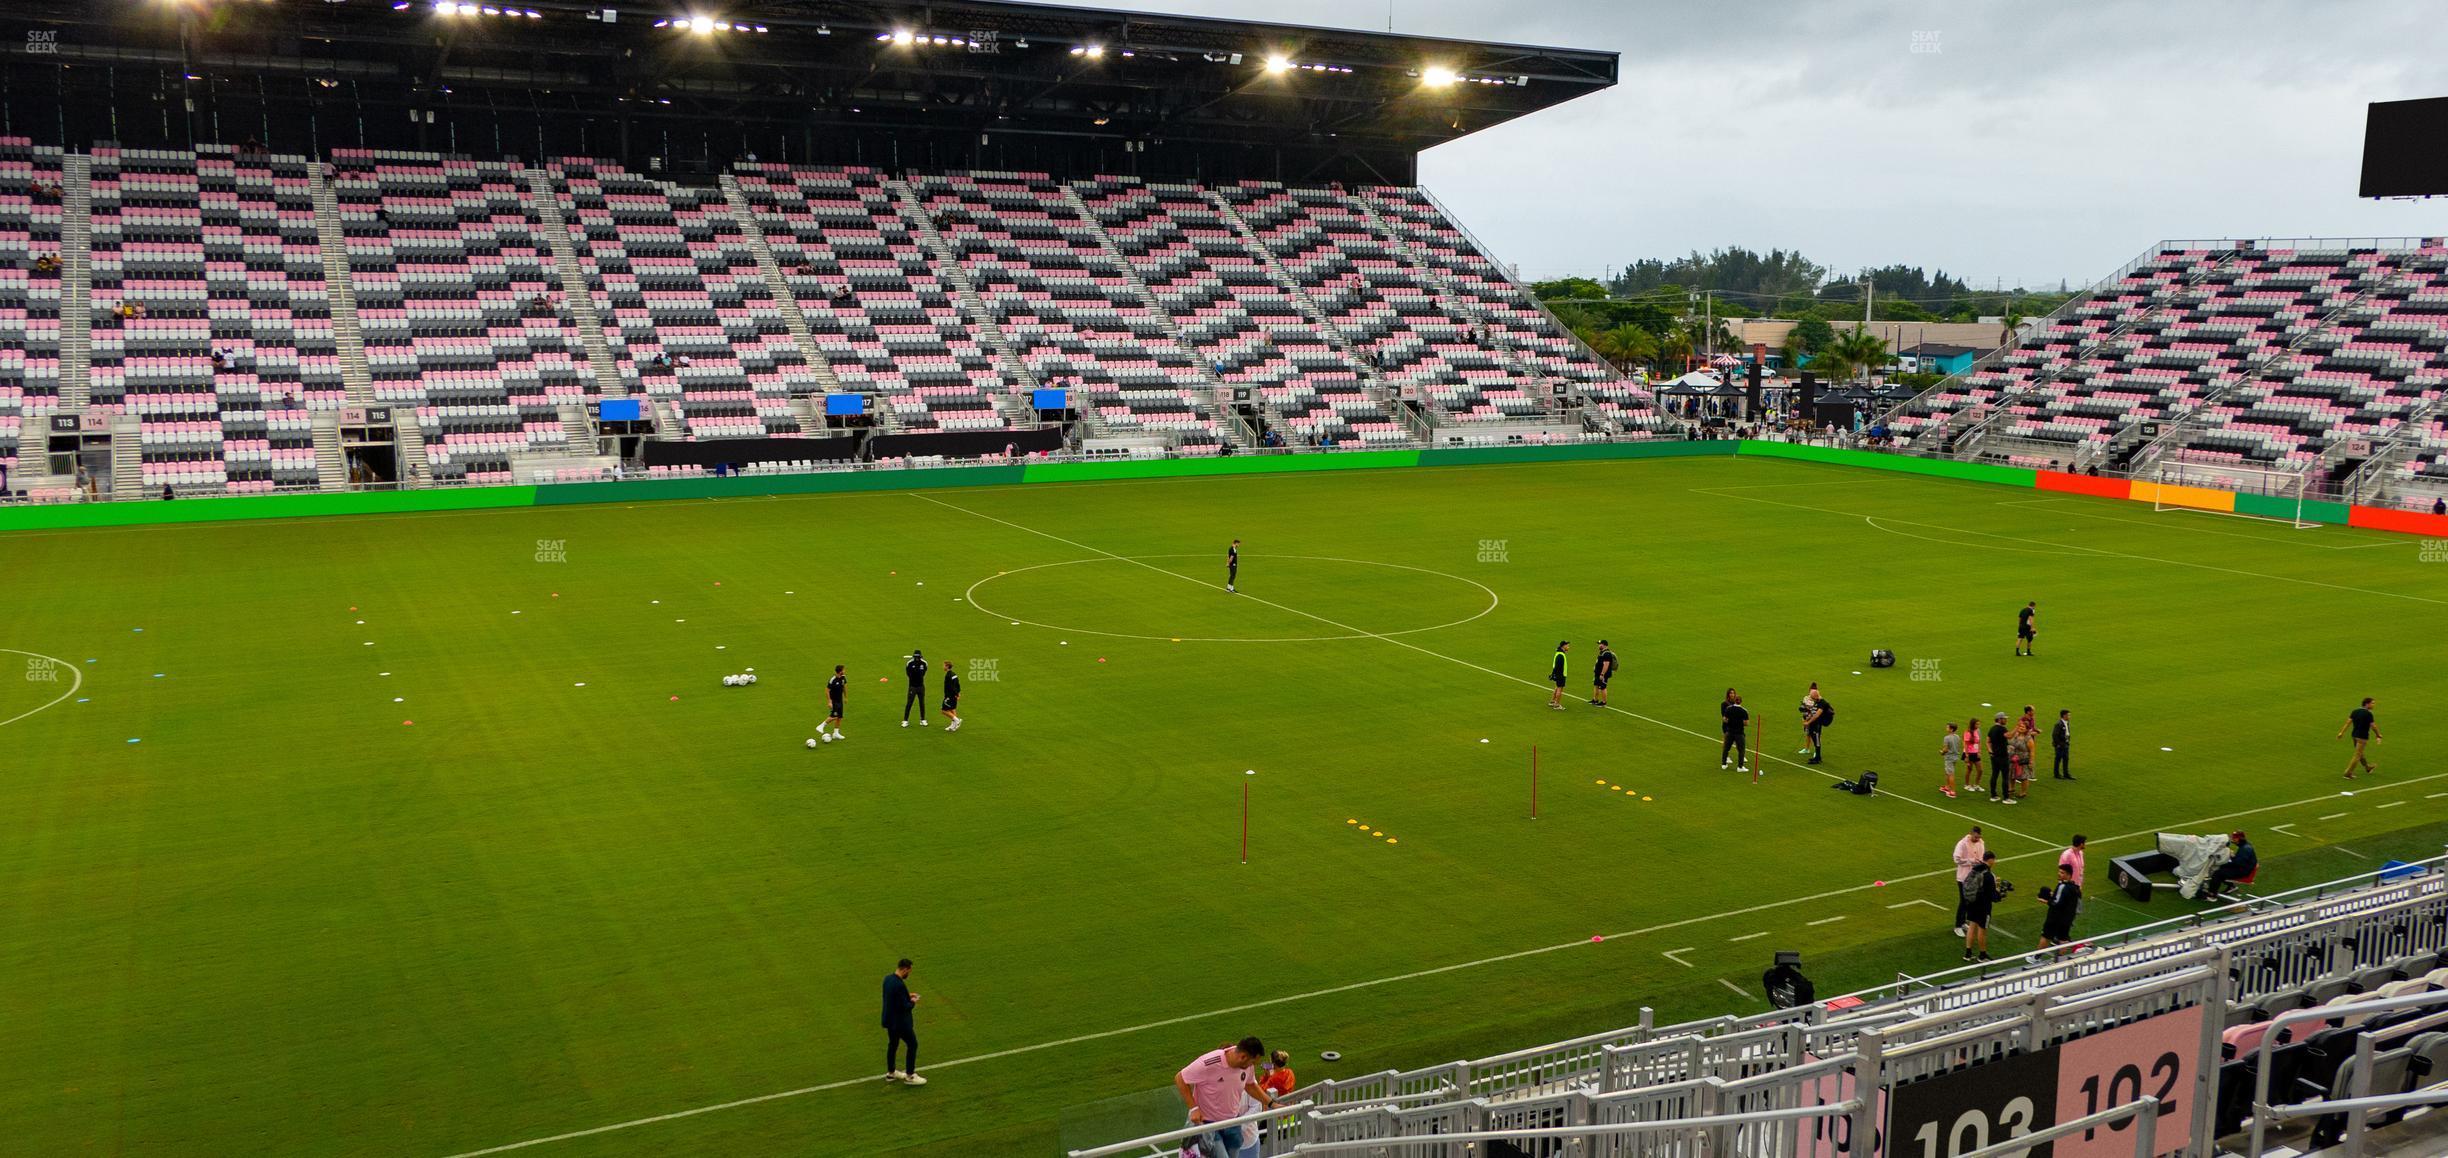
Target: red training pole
{"type": "Point", "coordinates": [1534, 782]}
{"type": "Point", "coordinates": [1245, 822]}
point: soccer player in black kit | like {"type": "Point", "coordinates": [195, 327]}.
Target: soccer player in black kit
{"type": "Point", "coordinates": [917, 669]}
{"type": "Point", "coordinates": [1733, 719]}
{"type": "Point", "coordinates": [1232, 566]}
{"type": "Point", "coordinates": [835, 689]}
{"type": "Point", "coordinates": [1601, 672]}
{"type": "Point", "coordinates": [951, 700]}
{"type": "Point", "coordinates": [2024, 629]}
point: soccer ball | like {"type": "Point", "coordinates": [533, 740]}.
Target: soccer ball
{"type": "Point", "coordinates": [748, 679]}
{"type": "Point", "coordinates": [811, 741]}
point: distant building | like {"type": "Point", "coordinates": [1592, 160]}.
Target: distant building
{"type": "Point", "coordinates": [1935, 358]}
{"type": "Point", "coordinates": [1979, 337]}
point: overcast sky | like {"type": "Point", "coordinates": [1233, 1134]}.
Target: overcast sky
{"type": "Point", "coordinates": [2028, 142]}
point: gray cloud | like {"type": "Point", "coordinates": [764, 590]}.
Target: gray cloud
{"type": "Point", "coordinates": [2026, 142]}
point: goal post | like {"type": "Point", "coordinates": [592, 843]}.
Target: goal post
{"type": "Point", "coordinates": [2268, 494]}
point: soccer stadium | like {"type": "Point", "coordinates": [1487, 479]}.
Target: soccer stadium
{"type": "Point", "coordinates": [558, 551]}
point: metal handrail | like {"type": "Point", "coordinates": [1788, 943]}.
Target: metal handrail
{"type": "Point", "coordinates": [2143, 1110]}
{"type": "Point", "coordinates": [2262, 1113]}
{"type": "Point", "coordinates": [1757, 1117]}
{"type": "Point", "coordinates": [1152, 1141]}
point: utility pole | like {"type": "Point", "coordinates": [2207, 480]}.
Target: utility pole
{"type": "Point", "coordinates": [1866, 291]}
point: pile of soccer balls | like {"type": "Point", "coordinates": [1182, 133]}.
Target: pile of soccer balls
{"type": "Point", "coordinates": [741, 680]}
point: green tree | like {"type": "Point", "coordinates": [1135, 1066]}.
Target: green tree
{"type": "Point", "coordinates": [1856, 353]}
{"type": "Point", "coordinates": [1625, 345]}
{"type": "Point", "coordinates": [1568, 289]}
{"type": "Point", "coordinates": [1812, 333]}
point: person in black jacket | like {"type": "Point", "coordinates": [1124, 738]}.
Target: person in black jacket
{"type": "Point", "coordinates": [917, 670]}
{"type": "Point", "coordinates": [2064, 901]}
{"type": "Point", "coordinates": [1734, 719]}
{"type": "Point", "coordinates": [2061, 738]}
{"type": "Point", "coordinates": [2001, 778]}
{"type": "Point", "coordinates": [1600, 673]}
{"type": "Point", "coordinates": [900, 1026]}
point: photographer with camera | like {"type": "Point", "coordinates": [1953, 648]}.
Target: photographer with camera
{"type": "Point", "coordinates": [1981, 891]}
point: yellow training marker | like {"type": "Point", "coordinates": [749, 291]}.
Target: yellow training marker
{"type": "Point", "coordinates": [1351, 822]}
{"type": "Point", "coordinates": [1391, 840]}
{"type": "Point", "coordinates": [1376, 834]}
{"type": "Point", "coordinates": [1646, 798]}
{"type": "Point", "coordinates": [1602, 783]}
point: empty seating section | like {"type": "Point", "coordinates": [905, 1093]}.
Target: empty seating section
{"type": "Point", "coordinates": [458, 299]}
{"type": "Point", "coordinates": [30, 212]}
{"type": "Point", "coordinates": [2067, 353]}
{"type": "Point", "coordinates": [1382, 302]}
{"type": "Point", "coordinates": [275, 356]}
{"type": "Point", "coordinates": [2269, 357]}
{"type": "Point", "coordinates": [212, 325]}
{"type": "Point", "coordinates": [1066, 307]}
{"type": "Point", "coordinates": [2381, 358]}
{"type": "Point", "coordinates": [884, 320]}
{"type": "Point", "coordinates": [1229, 309]}
{"type": "Point", "coordinates": [152, 331]}
{"type": "Point", "coordinates": [671, 277]}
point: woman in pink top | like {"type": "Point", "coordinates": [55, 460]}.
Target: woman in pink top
{"type": "Point", "coordinates": [2072, 858]}
{"type": "Point", "coordinates": [1967, 857]}
{"type": "Point", "coordinates": [1972, 764]}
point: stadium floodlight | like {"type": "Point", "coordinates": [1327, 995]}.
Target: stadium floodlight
{"type": "Point", "coordinates": [1438, 76]}
{"type": "Point", "coordinates": [904, 37]}
{"type": "Point", "coordinates": [1091, 51]}
{"type": "Point", "coordinates": [701, 25]}
{"type": "Point", "coordinates": [1279, 64]}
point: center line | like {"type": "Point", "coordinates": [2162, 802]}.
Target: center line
{"type": "Point", "coordinates": [1404, 643]}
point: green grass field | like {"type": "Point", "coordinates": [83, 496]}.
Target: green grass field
{"type": "Point", "coordinates": [288, 922]}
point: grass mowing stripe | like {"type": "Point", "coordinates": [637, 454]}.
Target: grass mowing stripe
{"type": "Point", "coordinates": [2101, 552]}
{"type": "Point", "coordinates": [1368, 984]}
{"type": "Point", "coordinates": [1756, 756]}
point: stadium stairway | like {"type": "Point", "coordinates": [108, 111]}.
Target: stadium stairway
{"type": "Point", "coordinates": [1300, 297]}
{"type": "Point", "coordinates": [331, 467]}
{"type": "Point", "coordinates": [947, 263]}
{"type": "Point", "coordinates": [1235, 430]}
{"type": "Point", "coordinates": [1455, 299]}
{"type": "Point", "coordinates": [127, 458]}
{"type": "Point", "coordinates": [578, 428]}
{"type": "Point", "coordinates": [415, 468]}
{"type": "Point", "coordinates": [668, 426]}
{"type": "Point", "coordinates": [355, 375]}
{"type": "Point", "coordinates": [576, 294]}
{"type": "Point", "coordinates": [792, 316]}
{"type": "Point", "coordinates": [76, 284]}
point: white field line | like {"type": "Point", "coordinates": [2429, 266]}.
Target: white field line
{"type": "Point", "coordinates": [1745, 994]}
{"type": "Point", "coordinates": [1750, 936]}
{"type": "Point", "coordinates": [58, 663]}
{"type": "Point", "coordinates": [2436, 795]}
{"type": "Point", "coordinates": [1918, 901]}
{"type": "Point", "coordinates": [2010, 543]}
{"type": "Point", "coordinates": [1380, 981]}
{"type": "Point", "coordinates": [2296, 540]}
{"type": "Point", "coordinates": [1670, 955]}
{"type": "Point", "coordinates": [1825, 920]}
{"type": "Point", "coordinates": [1404, 643]}
{"type": "Point", "coordinates": [2331, 816]}
{"type": "Point", "coordinates": [2395, 804]}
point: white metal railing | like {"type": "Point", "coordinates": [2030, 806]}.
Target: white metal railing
{"type": "Point", "coordinates": [1154, 1143]}
{"type": "Point", "coordinates": [2264, 1115]}
{"type": "Point", "coordinates": [1613, 1131]}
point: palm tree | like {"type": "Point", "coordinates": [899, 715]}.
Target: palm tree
{"type": "Point", "coordinates": [1625, 345]}
{"type": "Point", "coordinates": [1856, 352]}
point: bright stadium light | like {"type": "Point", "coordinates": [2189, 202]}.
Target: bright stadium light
{"type": "Point", "coordinates": [904, 37]}
{"type": "Point", "coordinates": [1438, 76]}
{"type": "Point", "coordinates": [701, 25]}
{"type": "Point", "coordinates": [1279, 64]}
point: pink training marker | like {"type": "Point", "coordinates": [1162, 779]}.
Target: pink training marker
{"type": "Point", "coordinates": [1595, 938]}
{"type": "Point", "coordinates": [1100, 659]}
{"type": "Point", "coordinates": [1878, 884]}
{"type": "Point", "coordinates": [675, 699]}
{"type": "Point", "coordinates": [407, 723]}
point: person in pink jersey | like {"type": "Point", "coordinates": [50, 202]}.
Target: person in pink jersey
{"type": "Point", "coordinates": [1212, 1088]}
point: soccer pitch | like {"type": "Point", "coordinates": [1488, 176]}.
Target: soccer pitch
{"type": "Point", "coordinates": [430, 834]}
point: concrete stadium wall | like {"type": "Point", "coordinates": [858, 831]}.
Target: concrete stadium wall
{"type": "Point", "coordinates": [200, 510]}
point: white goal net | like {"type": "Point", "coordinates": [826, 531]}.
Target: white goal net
{"type": "Point", "coordinates": [2265, 493]}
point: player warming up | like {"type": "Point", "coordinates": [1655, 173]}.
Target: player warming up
{"type": "Point", "coordinates": [951, 700]}
{"type": "Point", "coordinates": [1555, 675]}
{"type": "Point", "coordinates": [1600, 673]}
{"type": "Point", "coordinates": [835, 689]}
{"type": "Point", "coordinates": [917, 670]}
{"type": "Point", "coordinates": [1232, 566]}
{"type": "Point", "coordinates": [2366, 729]}
{"type": "Point", "coordinates": [2025, 628]}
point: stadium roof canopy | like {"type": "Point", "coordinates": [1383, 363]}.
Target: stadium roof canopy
{"type": "Point", "coordinates": [689, 85]}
